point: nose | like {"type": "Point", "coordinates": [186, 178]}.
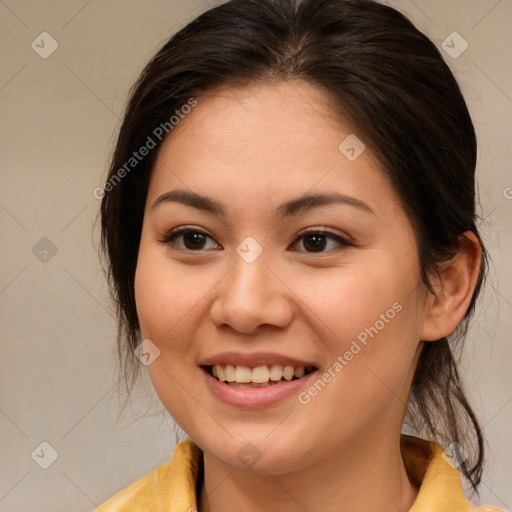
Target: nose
{"type": "Point", "coordinates": [252, 295]}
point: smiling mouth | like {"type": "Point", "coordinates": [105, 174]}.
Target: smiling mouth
{"type": "Point", "coordinates": [258, 376]}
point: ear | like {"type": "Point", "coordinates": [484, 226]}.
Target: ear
{"type": "Point", "coordinates": [453, 290]}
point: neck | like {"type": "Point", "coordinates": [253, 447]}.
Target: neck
{"type": "Point", "coordinates": [369, 478]}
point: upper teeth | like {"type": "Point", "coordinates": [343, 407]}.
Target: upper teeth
{"type": "Point", "coordinates": [260, 374]}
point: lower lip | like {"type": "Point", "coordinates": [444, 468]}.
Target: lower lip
{"type": "Point", "coordinates": [253, 398]}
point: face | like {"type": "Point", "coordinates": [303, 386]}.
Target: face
{"type": "Point", "coordinates": [260, 279]}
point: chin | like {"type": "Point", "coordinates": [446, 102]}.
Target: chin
{"type": "Point", "coordinates": [259, 455]}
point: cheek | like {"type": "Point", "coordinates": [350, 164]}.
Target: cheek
{"type": "Point", "coordinates": [355, 298]}
{"type": "Point", "coordinates": [368, 317]}
{"type": "Point", "coordinates": [165, 295]}
{"type": "Point", "coordinates": [168, 308]}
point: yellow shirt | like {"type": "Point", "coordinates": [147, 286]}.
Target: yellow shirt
{"type": "Point", "coordinates": [171, 487]}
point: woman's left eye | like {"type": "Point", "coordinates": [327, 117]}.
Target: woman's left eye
{"type": "Point", "coordinates": [195, 240]}
{"type": "Point", "coordinates": [318, 240]}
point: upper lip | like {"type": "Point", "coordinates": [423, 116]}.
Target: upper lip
{"type": "Point", "coordinates": [253, 359]}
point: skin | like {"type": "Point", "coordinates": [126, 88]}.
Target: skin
{"type": "Point", "coordinates": [252, 149]}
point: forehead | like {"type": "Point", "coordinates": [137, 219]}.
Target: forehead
{"type": "Point", "coordinates": [274, 139]}
{"type": "Point", "coordinates": [263, 116]}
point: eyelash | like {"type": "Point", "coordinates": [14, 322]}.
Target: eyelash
{"type": "Point", "coordinates": [172, 235]}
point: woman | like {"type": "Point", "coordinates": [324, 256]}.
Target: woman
{"type": "Point", "coordinates": [289, 227]}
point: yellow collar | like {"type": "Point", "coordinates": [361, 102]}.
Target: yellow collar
{"type": "Point", "coordinates": [173, 486]}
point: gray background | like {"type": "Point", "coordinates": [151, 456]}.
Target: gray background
{"type": "Point", "coordinates": [58, 123]}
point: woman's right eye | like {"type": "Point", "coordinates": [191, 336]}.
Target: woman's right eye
{"type": "Point", "coordinates": [191, 239]}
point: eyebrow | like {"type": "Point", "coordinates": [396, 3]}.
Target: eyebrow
{"type": "Point", "coordinates": [288, 208]}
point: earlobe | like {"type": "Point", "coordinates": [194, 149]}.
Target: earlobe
{"type": "Point", "coordinates": [453, 290]}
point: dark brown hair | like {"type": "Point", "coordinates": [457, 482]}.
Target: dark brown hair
{"type": "Point", "coordinates": [392, 83]}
